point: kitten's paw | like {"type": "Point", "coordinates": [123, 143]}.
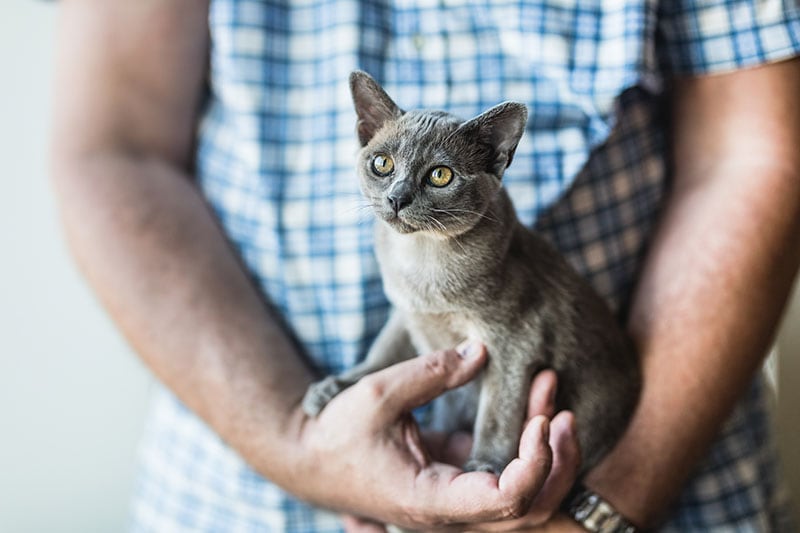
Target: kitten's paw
{"type": "Point", "coordinates": [320, 393]}
{"type": "Point", "coordinates": [481, 465]}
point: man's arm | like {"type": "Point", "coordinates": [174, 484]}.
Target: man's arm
{"type": "Point", "coordinates": [130, 78]}
{"type": "Point", "coordinates": [716, 278]}
{"type": "Point", "coordinates": [130, 81]}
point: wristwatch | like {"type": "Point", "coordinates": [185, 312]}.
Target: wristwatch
{"type": "Point", "coordinates": [594, 513]}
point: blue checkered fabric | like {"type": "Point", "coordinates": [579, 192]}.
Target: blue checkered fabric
{"type": "Point", "coordinates": [276, 155]}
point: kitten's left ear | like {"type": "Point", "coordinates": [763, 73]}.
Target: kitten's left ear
{"type": "Point", "coordinates": [501, 127]}
{"type": "Point", "coordinates": [373, 106]}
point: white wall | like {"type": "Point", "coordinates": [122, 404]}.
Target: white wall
{"type": "Point", "coordinates": [72, 397]}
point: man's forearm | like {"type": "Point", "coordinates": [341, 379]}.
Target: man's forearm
{"type": "Point", "coordinates": [156, 257]}
{"type": "Point", "coordinates": [716, 277]}
{"type": "Point", "coordinates": [130, 78]}
{"type": "Point", "coordinates": [710, 296]}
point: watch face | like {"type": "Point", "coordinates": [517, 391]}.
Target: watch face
{"type": "Point", "coordinates": [595, 514]}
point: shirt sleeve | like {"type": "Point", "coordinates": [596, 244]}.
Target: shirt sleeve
{"type": "Point", "coordinates": [712, 36]}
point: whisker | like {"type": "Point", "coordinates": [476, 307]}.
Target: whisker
{"type": "Point", "coordinates": [456, 211]}
{"type": "Point", "coordinates": [443, 229]}
{"type": "Point", "coordinates": [460, 244]}
{"type": "Point", "coordinates": [439, 224]}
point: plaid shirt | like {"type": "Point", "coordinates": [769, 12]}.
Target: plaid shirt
{"type": "Point", "coordinates": [276, 158]}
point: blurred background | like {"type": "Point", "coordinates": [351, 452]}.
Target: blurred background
{"type": "Point", "coordinates": [72, 395]}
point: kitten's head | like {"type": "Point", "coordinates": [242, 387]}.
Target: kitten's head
{"type": "Point", "coordinates": [429, 170]}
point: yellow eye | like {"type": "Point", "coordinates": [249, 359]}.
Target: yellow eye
{"type": "Point", "coordinates": [382, 165]}
{"type": "Point", "coordinates": [440, 176]}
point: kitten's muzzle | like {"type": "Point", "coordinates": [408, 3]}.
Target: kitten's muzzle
{"type": "Point", "coordinates": [400, 195]}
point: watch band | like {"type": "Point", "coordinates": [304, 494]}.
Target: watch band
{"type": "Point", "coordinates": [594, 513]}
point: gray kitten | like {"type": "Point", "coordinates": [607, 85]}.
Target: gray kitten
{"type": "Point", "coordinates": [457, 264]}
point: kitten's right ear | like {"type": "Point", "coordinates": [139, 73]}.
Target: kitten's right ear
{"type": "Point", "coordinates": [501, 128]}
{"type": "Point", "coordinates": [373, 105]}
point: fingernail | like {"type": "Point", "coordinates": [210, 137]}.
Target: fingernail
{"type": "Point", "coordinates": [469, 349]}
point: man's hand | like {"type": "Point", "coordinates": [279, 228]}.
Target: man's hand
{"type": "Point", "coordinates": [527, 493]}
{"type": "Point", "coordinates": [566, 459]}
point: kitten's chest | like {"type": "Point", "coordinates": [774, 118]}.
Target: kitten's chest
{"type": "Point", "coordinates": [420, 278]}
{"type": "Point", "coordinates": [417, 288]}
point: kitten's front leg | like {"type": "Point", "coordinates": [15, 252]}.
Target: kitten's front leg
{"type": "Point", "coordinates": [501, 413]}
{"type": "Point", "coordinates": [392, 345]}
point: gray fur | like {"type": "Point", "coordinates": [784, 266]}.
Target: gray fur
{"type": "Point", "coordinates": [457, 264]}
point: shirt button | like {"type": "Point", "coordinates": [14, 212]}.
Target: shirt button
{"type": "Point", "coordinates": [418, 40]}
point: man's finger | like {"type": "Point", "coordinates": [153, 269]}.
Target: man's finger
{"type": "Point", "coordinates": [542, 399]}
{"type": "Point", "coordinates": [410, 384]}
{"type": "Point", "coordinates": [470, 497]}
{"type": "Point", "coordinates": [566, 462]}
{"type": "Point", "coordinates": [528, 472]}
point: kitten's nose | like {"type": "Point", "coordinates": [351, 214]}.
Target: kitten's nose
{"type": "Point", "coordinates": [398, 201]}
{"type": "Point", "coordinates": [400, 194]}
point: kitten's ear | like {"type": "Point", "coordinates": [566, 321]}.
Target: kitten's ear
{"type": "Point", "coordinates": [373, 105]}
{"type": "Point", "coordinates": [501, 127]}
